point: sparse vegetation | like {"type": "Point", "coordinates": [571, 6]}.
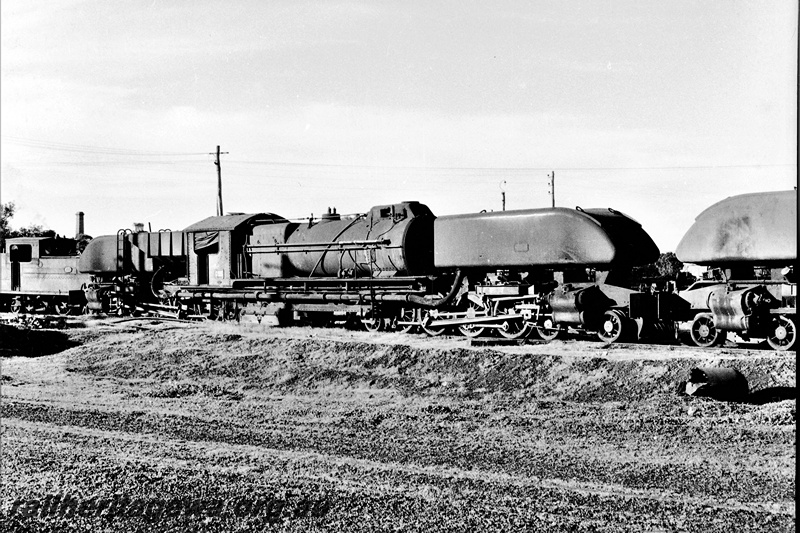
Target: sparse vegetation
{"type": "Point", "coordinates": [396, 432]}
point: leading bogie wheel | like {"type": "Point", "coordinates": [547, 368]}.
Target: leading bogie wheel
{"type": "Point", "coordinates": [548, 330]}
{"type": "Point", "coordinates": [704, 333]}
{"type": "Point", "coordinates": [783, 334]}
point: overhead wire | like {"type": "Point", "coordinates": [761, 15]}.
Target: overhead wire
{"type": "Point", "coordinates": [98, 150]}
{"type": "Point", "coordinates": [82, 148]}
{"type": "Point", "coordinates": [316, 175]}
{"type": "Point", "coordinates": [505, 169]}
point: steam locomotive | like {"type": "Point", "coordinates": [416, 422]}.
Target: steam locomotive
{"type": "Point", "coordinates": [537, 271]}
{"type": "Point", "coordinates": [750, 244]}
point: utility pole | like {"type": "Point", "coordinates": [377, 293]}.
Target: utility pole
{"type": "Point", "coordinates": [503, 193]}
{"type": "Point", "coordinates": [219, 182]}
{"type": "Point", "coordinates": [552, 188]}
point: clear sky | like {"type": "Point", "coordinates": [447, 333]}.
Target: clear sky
{"type": "Point", "coordinates": [657, 109]}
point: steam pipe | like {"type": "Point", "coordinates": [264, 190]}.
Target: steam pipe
{"type": "Point", "coordinates": [436, 303]}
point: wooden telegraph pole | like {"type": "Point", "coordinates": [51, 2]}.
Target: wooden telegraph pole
{"type": "Point", "coordinates": [219, 182]}
{"type": "Point", "coordinates": [552, 179]}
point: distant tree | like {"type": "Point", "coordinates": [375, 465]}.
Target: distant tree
{"type": "Point", "coordinates": [666, 268]}
{"type": "Point", "coordinates": [644, 274]}
{"type": "Point", "coordinates": [669, 266]}
{"type": "Point", "coordinates": [33, 230]}
{"type": "Point", "coordinates": [6, 213]}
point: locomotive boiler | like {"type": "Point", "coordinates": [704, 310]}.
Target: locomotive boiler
{"type": "Point", "coordinates": [387, 241]}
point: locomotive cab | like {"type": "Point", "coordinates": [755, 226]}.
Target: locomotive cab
{"type": "Point", "coordinates": [40, 274]}
{"type": "Point", "coordinates": [216, 247]}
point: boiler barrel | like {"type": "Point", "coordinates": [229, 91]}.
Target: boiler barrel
{"type": "Point", "coordinates": [389, 240]}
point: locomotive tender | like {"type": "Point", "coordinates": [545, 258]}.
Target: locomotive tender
{"type": "Point", "coordinates": [542, 271]}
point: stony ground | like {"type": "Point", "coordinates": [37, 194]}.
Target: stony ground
{"type": "Point", "coordinates": [238, 428]}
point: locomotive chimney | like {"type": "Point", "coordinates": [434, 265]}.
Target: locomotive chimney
{"type": "Point", "coordinates": [78, 224]}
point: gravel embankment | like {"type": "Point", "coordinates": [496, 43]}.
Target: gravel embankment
{"type": "Point", "coordinates": [390, 432]}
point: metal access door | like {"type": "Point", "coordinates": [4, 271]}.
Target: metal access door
{"type": "Point", "coordinates": [15, 276]}
{"type": "Point", "coordinates": [17, 254]}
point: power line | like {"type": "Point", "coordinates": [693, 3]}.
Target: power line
{"type": "Point", "coordinates": [505, 169]}
{"type": "Point", "coordinates": [82, 148]}
{"type": "Point", "coordinates": [98, 150]}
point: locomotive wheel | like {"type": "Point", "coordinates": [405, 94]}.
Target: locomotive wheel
{"type": "Point", "coordinates": [16, 305]}
{"type": "Point", "coordinates": [406, 315]}
{"type": "Point", "coordinates": [61, 308]}
{"type": "Point", "coordinates": [229, 313]}
{"type": "Point", "coordinates": [613, 328]}
{"type": "Point", "coordinates": [704, 333]}
{"type": "Point", "coordinates": [783, 334]}
{"type": "Point", "coordinates": [432, 331]}
{"type": "Point", "coordinates": [373, 323]}
{"type": "Point", "coordinates": [548, 330]}
{"type": "Point", "coordinates": [115, 307]}
{"type": "Point", "coordinates": [29, 306]}
{"type": "Point", "coordinates": [471, 330]}
{"type": "Point", "coordinates": [225, 312]}
{"type": "Point", "coordinates": [515, 329]}
{"type": "Point", "coordinates": [217, 312]}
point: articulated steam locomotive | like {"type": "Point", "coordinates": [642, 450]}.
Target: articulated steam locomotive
{"type": "Point", "coordinates": [397, 266]}
{"type": "Point", "coordinates": [516, 273]}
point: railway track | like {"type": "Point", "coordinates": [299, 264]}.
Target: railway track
{"type": "Point", "coordinates": [42, 321]}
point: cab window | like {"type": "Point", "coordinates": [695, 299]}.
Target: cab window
{"type": "Point", "coordinates": [20, 253]}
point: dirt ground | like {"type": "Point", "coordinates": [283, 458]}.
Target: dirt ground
{"type": "Point", "coordinates": [223, 427]}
